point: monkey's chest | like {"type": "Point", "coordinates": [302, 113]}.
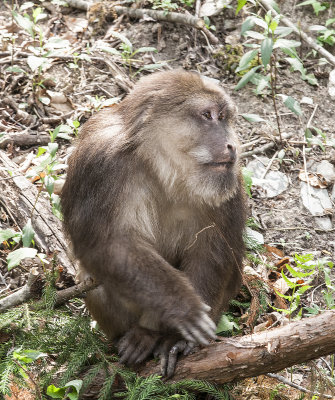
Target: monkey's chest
{"type": "Point", "coordinates": [178, 232]}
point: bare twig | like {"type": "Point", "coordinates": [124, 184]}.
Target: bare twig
{"type": "Point", "coordinates": [22, 295]}
{"type": "Point", "coordinates": [294, 385]}
{"type": "Point", "coordinates": [158, 15]}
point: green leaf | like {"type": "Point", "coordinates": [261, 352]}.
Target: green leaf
{"type": "Point", "coordinates": [145, 49]}
{"type": "Point", "coordinates": [76, 386]}
{"type": "Point", "coordinates": [274, 5]}
{"type": "Point", "coordinates": [255, 35]}
{"type": "Point", "coordinates": [225, 325]}
{"type": "Point", "coordinates": [253, 118]}
{"type": "Point", "coordinates": [295, 64]}
{"type": "Point", "coordinates": [330, 21]}
{"type": "Point", "coordinates": [49, 183]}
{"type": "Point", "coordinates": [15, 257]}
{"type": "Point", "coordinates": [292, 105]}
{"type": "Point", "coordinates": [8, 234]}
{"type": "Point", "coordinates": [296, 273]}
{"type": "Point", "coordinates": [247, 178]}
{"type": "Point", "coordinates": [282, 31]}
{"type": "Point", "coordinates": [55, 392]}
{"type": "Point", "coordinates": [28, 356]}
{"type": "Point", "coordinates": [15, 70]}
{"type": "Point", "coordinates": [35, 62]}
{"type": "Point", "coordinates": [28, 234]}
{"type": "Point", "coordinates": [280, 43]}
{"type": "Point", "coordinates": [245, 60]}
{"type": "Point", "coordinates": [52, 148]}
{"type": "Point", "coordinates": [123, 39]}
{"type": "Point", "coordinates": [246, 78]}
{"type": "Point", "coordinates": [25, 23]}
{"type": "Point", "coordinates": [54, 133]}
{"type": "Point", "coordinates": [240, 5]}
{"type": "Point", "coordinates": [247, 25]}
{"type": "Point", "coordinates": [266, 51]}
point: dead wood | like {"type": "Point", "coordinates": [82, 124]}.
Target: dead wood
{"type": "Point", "coordinates": [138, 13]}
{"type": "Point", "coordinates": [25, 293]}
{"type": "Point", "coordinates": [24, 139]}
{"type": "Point", "coordinates": [19, 197]}
{"type": "Point", "coordinates": [247, 356]}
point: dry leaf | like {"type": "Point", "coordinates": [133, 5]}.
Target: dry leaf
{"type": "Point", "coordinates": [314, 179]}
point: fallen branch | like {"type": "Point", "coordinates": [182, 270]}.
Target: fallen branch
{"type": "Point", "coordinates": [23, 294]}
{"type": "Point", "coordinates": [24, 139]}
{"type": "Point", "coordinates": [252, 355]}
{"type": "Point", "coordinates": [321, 50]}
{"type": "Point", "coordinates": [138, 13]}
{"type": "Point", "coordinates": [121, 79]}
{"type": "Point", "coordinates": [265, 147]}
{"type": "Point", "coordinates": [19, 196]}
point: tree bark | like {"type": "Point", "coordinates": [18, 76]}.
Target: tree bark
{"type": "Point", "coordinates": [233, 359]}
{"type": "Point", "coordinates": [18, 196]}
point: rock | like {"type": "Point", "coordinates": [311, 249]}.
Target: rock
{"type": "Point", "coordinates": [331, 84]}
{"type": "Point", "coordinates": [327, 170]}
{"type": "Point", "coordinates": [254, 235]}
{"type": "Point", "coordinates": [274, 183]}
{"type": "Point", "coordinates": [213, 7]}
{"type": "Point", "coordinates": [317, 201]}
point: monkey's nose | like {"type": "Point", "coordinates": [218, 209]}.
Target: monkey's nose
{"type": "Point", "coordinates": [229, 152]}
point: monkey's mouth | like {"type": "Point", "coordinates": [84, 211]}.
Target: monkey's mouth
{"type": "Point", "coordinates": [222, 166]}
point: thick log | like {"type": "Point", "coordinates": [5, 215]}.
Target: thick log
{"type": "Point", "coordinates": [247, 356]}
{"type": "Point", "coordinates": [19, 196]}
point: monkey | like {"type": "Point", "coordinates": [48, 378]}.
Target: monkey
{"type": "Point", "coordinates": [154, 206]}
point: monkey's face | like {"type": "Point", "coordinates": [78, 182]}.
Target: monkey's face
{"type": "Point", "coordinates": [195, 146]}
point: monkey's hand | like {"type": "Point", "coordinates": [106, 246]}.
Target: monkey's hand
{"type": "Point", "coordinates": [168, 351]}
{"type": "Point", "coordinates": [196, 326]}
{"type": "Point", "coordinates": [136, 345]}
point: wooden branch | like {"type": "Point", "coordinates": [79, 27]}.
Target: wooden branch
{"type": "Point", "coordinates": [158, 15]}
{"type": "Point", "coordinates": [79, 290]}
{"type": "Point", "coordinates": [247, 356]}
{"type": "Point", "coordinates": [24, 139]}
{"type": "Point", "coordinates": [23, 294]}
{"type": "Point", "coordinates": [20, 196]}
{"type": "Point", "coordinates": [321, 50]}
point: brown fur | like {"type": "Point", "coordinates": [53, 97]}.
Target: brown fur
{"type": "Point", "coordinates": [154, 215]}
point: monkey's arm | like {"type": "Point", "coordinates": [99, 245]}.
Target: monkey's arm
{"type": "Point", "coordinates": [159, 291]}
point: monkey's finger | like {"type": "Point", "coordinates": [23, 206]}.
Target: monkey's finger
{"type": "Point", "coordinates": [187, 335]}
{"type": "Point", "coordinates": [208, 326]}
{"type": "Point", "coordinates": [206, 307]}
{"type": "Point", "coordinates": [196, 335]}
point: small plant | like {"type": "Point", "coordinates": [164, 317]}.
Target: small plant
{"type": "Point", "coordinates": [47, 171]}
{"type": "Point", "coordinates": [317, 5]}
{"type": "Point", "coordinates": [126, 52]}
{"type": "Point", "coordinates": [304, 268]}
{"type": "Point", "coordinates": [326, 35]}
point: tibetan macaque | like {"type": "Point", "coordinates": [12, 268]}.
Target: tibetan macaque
{"type": "Point", "coordinates": [154, 206]}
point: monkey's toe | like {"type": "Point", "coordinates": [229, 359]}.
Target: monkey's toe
{"type": "Point", "coordinates": [168, 353]}
{"type": "Point", "coordinates": [136, 345]}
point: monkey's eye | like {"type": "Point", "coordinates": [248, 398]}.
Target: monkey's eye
{"type": "Point", "coordinates": [207, 115]}
{"type": "Point", "coordinates": [221, 116]}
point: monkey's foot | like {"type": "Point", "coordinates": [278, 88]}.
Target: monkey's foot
{"type": "Point", "coordinates": [168, 351]}
{"type": "Point", "coordinates": [136, 345]}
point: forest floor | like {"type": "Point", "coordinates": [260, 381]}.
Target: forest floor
{"type": "Point", "coordinates": [40, 91]}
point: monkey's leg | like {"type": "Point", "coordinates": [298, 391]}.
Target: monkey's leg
{"type": "Point", "coordinates": [137, 345]}
{"type": "Point", "coordinates": [140, 276]}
